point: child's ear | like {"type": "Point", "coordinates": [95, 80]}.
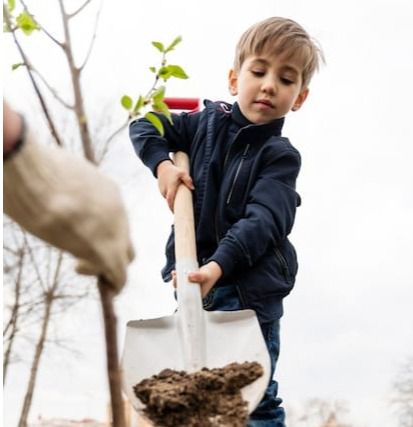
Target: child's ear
{"type": "Point", "coordinates": [233, 82]}
{"type": "Point", "coordinates": [300, 99]}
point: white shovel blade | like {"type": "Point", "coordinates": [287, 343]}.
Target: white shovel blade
{"type": "Point", "coordinates": [231, 336]}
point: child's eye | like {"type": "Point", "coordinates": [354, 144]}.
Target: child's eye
{"type": "Point", "coordinates": [258, 73]}
{"type": "Point", "coordinates": [287, 81]}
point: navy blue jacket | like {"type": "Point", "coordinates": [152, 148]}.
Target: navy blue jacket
{"type": "Point", "coordinates": [244, 199]}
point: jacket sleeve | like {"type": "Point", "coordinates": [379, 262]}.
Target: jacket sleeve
{"type": "Point", "coordinates": [151, 147]}
{"type": "Point", "coordinates": [269, 214]}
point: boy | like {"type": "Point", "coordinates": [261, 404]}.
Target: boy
{"type": "Point", "coordinates": [243, 174]}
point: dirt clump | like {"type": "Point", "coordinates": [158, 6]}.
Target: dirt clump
{"type": "Point", "coordinates": [206, 398]}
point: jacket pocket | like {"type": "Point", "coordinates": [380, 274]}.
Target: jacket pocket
{"type": "Point", "coordinates": [208, 300]}
{"type": "Point", "coordinates": [282, 264]}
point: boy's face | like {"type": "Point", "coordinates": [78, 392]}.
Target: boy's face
{"type": "Point", "coordinates": [268, 87]}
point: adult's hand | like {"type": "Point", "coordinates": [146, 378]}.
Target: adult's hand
{"type": "Point", "coordinates": [66, 201]}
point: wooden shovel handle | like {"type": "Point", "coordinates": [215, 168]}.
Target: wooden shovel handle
{"type": "Point", "coordinates": [185, 247]}
{"type": "Point", "coordinates": [191, 323]}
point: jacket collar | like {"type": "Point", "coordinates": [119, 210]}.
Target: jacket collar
{"type": "Point", "coordinates": [274, 127]}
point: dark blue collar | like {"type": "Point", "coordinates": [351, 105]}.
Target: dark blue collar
{"type": "Point", "coordinates": [274, 127]}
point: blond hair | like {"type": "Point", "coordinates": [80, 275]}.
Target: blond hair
{"type": "Point", "coordinates": [277, 36]}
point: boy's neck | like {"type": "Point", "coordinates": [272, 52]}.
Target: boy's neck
{"type": "Point", "coordinates": [241, 120]}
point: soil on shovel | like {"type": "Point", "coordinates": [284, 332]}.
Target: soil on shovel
{"type": "Point", "coordinates": [206, 398]}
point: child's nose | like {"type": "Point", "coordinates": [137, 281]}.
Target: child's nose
{"type": "Point", "coordinates": [269, 86]}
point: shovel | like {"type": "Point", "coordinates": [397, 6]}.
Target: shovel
{"type": "Point", "coordinates": [192, 338]}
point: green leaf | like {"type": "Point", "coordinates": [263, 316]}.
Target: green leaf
{"type": "Point", "coordinates": [16, 66]}
{"type": "Point", "coordinates": [173, 44]}
{"type": "Point", "coordinates": [26, 23]}
{"type": "Point", "coordinates": [164, 73]}
{"type": "Point", "coordinates": [159, 94]}
{"type": "Point", "coordinates": [177, 71]}
{"type": "Point", "coordinates": [139, 104]}
{"type": "Point", "coordinates": [11, 4]}
{"type": "Point", "coordinates": [156, 122]}
{"type": "Point", "coordinates": [161, 107]}
{"type": "Point", "coordinates": [126, 102]}
{"type": "Point", "coordinates": [159, 46]}
{"type": "Point", "coordinates": [153, 69]}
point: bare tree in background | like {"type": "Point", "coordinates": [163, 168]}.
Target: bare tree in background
{"type": "Point", "coordinates": [49, 286]}
{"type": "Point", "coordinates": [23, 21]}
{"type": "Point", "coordinates": [37, 288]}
{"type": "Point", "coordinates": [403, 390]}
{"type": "Point", "coordinates": [14, 260]}
{"type": "Point", "coordinates": [318, 413]}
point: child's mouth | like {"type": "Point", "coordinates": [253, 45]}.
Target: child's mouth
{"type": "Point", "coordinates": [264, 103]}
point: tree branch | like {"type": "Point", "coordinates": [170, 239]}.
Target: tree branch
{"type": "Point", "coordinates": [71, 296]}
{"type": "Point", "coordinates": [109, 140]}
{"type": "Point", "coordinates": [34, 264]}
{"type": "Point", "coordinates": [53, 39]}
{"type": "Point", "coordinates": [71, 15]}
{"type": "Point", "coordinates": [52, 90]}
{"type": "Point", "coordinates": [14, 252]}
{"type": "Point", "coordinates": [26, 61]}
{"type": "Point", "coordinates": [92, 41]}
{"type": "Point", "coordinates": [42, 28]}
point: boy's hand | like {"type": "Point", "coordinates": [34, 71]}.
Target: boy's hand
{"type": "Point", "coordinates": [206, 276]}
{"type": "Point", "coordinates": [169, 179]}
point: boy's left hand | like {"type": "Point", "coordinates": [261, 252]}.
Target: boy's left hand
{"type": "Point", "coordinates": [206, 276]}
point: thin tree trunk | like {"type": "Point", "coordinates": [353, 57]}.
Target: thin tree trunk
{"type": "Point", "coordinates": [112, 359]}
{"type": "Point", "coordinates": [49, 299]}
{"type": "Point", "coordinates": [75, 73]}
{"type": "Point", "coordinates": [14, 317]}
{"type": "Point", "coordinates": [106, 294]}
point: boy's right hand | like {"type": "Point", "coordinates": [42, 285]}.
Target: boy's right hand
{"type": "Point", "coordinates": [169, 179]}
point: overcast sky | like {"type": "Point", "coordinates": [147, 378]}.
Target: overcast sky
{"type": "Point", "coordinates": [349, 321]}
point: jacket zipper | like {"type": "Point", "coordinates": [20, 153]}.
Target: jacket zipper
{"type": "Point", "coordinates": [223, 169]}
{"type": "Point", "coordinates": [244, 155]}
{"type": "Point", "coordinates": [281, 259]}
{"type": "Point", "coordinates": [229, 150]}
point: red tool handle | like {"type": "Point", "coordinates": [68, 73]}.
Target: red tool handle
{"type": "Point", "coordinates": [191, 104]}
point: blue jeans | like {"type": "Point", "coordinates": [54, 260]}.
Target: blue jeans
{"type": "Point", "coordinates": [268, 413]}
